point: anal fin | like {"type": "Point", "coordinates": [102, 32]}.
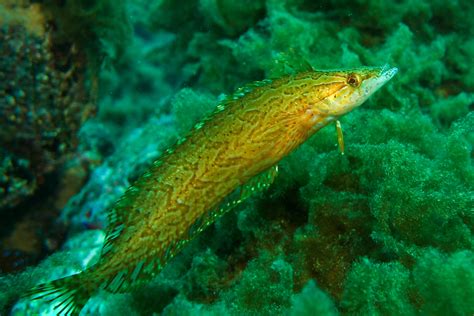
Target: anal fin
{"type": "Point", "coordinates": [254, 186]}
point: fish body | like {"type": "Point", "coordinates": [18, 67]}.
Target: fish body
{"type": "Point", "coordinates": [184, 190]}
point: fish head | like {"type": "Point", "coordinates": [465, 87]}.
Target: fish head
{"type": "Point", "coordinates": [337, 92]}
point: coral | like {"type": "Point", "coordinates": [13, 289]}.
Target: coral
{"type": "Point", "coordinates": [23, 13]}
{"type": "Point", "coordinates": [48, 88]}
{"type": "Point", "coordinates": [43, 102]}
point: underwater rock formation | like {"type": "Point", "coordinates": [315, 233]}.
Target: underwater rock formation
{"type": "Point", "coordinates": [43, 102]}
{"type": "Point", "coordinates": [51, 53]}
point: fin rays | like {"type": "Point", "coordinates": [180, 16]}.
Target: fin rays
{"type": "Point", "coordinates": [255, 185]}
{"type": "Point", "coordinates": [67, 295]}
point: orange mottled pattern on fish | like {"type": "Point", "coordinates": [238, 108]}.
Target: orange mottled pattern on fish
{"type": "Point", "coordinates": [186, 189]}
{"type": "Point", "coordinates": [247, 136]}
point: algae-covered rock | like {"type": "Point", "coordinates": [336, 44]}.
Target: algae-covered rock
{"type": "Point", "coordinates": [312, 301]}
{"type": "Point", "coordinates": [45, 98]}
{"type": "Point", "coordinates": [444, 283]}
{"type": "Point", "coordinates": [378, 289]}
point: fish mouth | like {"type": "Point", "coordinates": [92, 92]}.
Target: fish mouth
{"type": "Point", "coordinates": [388, 72]}
{"type": "Point", "coordinates": [373, 84]}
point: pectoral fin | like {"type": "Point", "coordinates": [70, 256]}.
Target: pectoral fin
{"type": "Point", "coordinates": [340, 137]}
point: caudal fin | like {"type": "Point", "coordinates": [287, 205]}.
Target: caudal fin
{"type": "Point", "coordinates": [68, 295]}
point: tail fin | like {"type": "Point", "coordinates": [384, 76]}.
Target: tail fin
{"type": "Point", "coordinates": [69, 294]}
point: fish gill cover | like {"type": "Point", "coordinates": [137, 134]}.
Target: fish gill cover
{"type": "Point", "coordinates": [386, 229]}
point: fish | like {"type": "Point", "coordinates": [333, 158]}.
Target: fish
{"type": "Point", "coordinates": [227, 157]}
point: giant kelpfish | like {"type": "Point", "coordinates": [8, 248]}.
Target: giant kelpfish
{"type": "Point", "coordinates": [228, 156]}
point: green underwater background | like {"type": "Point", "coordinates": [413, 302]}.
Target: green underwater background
{"type": "Point", "coordinates": [92, 92]}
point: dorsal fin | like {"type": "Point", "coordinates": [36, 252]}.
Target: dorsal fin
{"type": "Point", "coordinates": [254, 186]}
{"type": "Point", "coordinates": [283, 64]}
{"type": "Point", "coordinates": [241, 92]}
{"type": "Point", "coordinates": [119, 215]}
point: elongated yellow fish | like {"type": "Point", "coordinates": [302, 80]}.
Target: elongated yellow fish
{"type": "Point", "coordinates": [224, 159]}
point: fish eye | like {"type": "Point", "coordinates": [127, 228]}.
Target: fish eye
{"type": "Point", "coordinates": [353, 80]}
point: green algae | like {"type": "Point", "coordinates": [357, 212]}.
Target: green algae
{"type": "Point", "coordinates": [374, 280]}
{"type": "Point", "coordinates": [444, 282]}
{"type": "Point", "coordinates": [101, 28]}
{"type": "Point", "coordinates": [312, 301]}
{"type": "Point", "coordinates": [385, 229]}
